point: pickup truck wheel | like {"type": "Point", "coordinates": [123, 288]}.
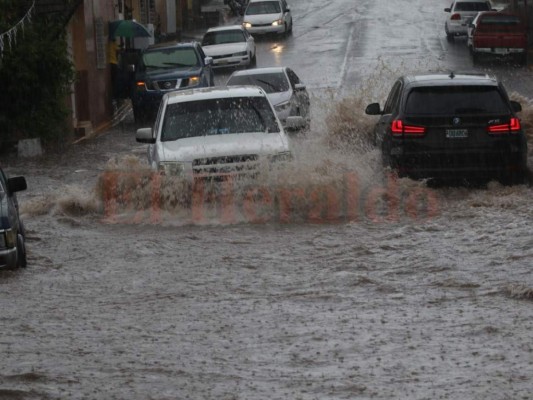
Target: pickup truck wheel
{"type": "Point", "coordinates": [450, 37]}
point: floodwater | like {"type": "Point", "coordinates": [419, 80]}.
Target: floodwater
{"type": "Point", "coordinates": [326, 280]}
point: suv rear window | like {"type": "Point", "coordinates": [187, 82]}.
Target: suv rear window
{"type": "Point", "coordinates": [455, 100]}
{"type": "Point", "coordinates": [471, 6]}
{"type": "Point", "coordinates": [218, 117]}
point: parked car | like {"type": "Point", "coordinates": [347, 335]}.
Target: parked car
{"type": "Point", "coordinates": [461, 14]}
{"type": "Point", "coordinates": [451, 126]}
{"type": "Point", "coordinates": [498, 34]}
{"type": "Point", "coordinates": [287, 93]}
{"type": "Point", "coordinates": [267, 16]}
{"type": "Point", "coordinates": [12, 236]}
{"type": "Point", "coordinates": [229, 46]}
{"type": "Point", "coordinates": [164, 68]}
{"type": "Point", "coordinates": [215, 132]}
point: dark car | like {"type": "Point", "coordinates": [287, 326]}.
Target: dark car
{"type": "Point", "coordinates": [451, 126]}
{"type": "Point", "coordinates": [164, 68]}
{"type": "Point", "coordinates": [12, 238]}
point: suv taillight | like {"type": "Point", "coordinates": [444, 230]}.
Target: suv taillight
{"type": "Point", "coordinates": [398, 129]}
{"type": "Point", "coordinates": [513, 126]}
{"type": "Point", "coordinates": [455, 17]}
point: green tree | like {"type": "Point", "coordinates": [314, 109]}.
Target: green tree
{"type": "Point", "coordinates": [35, 75]}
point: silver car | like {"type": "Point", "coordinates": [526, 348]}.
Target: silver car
{"type": "Point", "coordinates": [287, 93]}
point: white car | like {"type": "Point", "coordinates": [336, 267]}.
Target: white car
{"type": "Point", "coordinates": [215, 132]}
{"type": "Point", "coordinates": [284, 89]}
{"type": "Point", "coordinates": [267, 16]}
{"type": "Point", "coordinates": [462, 12]}
{"type": "Point", "coordinates": [229, 46]}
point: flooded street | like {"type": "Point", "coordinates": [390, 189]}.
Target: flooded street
{"type": "Point", "coordinates": [326, 280]}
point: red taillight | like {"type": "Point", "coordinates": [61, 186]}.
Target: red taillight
{"type": "Point", "coordinates": [512, 126]}
{"type": "Point", "coordinates": [399, 129]}
{"type": "Point", "coordinates": [455, 17]}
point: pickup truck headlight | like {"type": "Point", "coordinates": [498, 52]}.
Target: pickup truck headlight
{"type": "Point", "coordinates": [277, 22]}
{"type": "Point", "coordinates": [247, 25]}
{"type": "Point", "coordinates": [172, 168]}
{"type": "Point", "coordinates": [282, 106]}
{"type": "Point", "coordinates": [240, 54]}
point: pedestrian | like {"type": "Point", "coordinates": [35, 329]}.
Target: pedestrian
{"type": "Point", "coordinates": [112, 57]}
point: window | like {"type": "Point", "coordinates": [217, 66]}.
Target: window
{"type": "Point", "coordinates": [263, 7]}
{"type": "Point", "coordinates": [472, 6]}
{"type": "Point", "coordinates": [394, 97]}
{"type": "Point", "coordinates": [223, 37]}
{"type": "Point", "coordinates": [270, 83]}
{"type": "Point", "coordinates": [456, 100]}
{"type": "Point", "coordinates": [218, 117]}
{"type": "Point", "coordinates": [170, 58]}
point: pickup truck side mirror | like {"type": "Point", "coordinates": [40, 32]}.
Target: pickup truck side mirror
{"type": "Point", "coordinates": [299, 86]}
{"type": "Point", "coordinates": [208, 61]}
{"type": "Point", "coordinates": [448, 10]}
{"type": "Point", "coordinates": [144, 135]}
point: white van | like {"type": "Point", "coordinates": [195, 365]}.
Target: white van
{"type": "Point", "coordinates": [267, 16]}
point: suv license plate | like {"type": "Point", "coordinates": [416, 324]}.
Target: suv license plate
{"type": "Point", "coordinates": [456, 133]}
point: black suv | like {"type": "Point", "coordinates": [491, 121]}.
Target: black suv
{"type": "Point", "coordinates": [166, 67]}
{"type": "Point", "coordinates": [12, 247]}
{"type": "Point", "coordinates": [451, 126]}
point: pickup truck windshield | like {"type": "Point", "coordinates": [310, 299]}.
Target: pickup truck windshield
{"type": "Point", "coordinates": [218, 117]}
{"type": "Point", "coordinates": [456, 100]}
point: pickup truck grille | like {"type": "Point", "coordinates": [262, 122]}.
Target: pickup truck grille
{"type": "Point", "coordinates": [236, 165]}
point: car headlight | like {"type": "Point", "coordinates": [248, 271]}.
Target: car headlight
{"type": "Point", "coordinates": [247, 25]}
{"type": "Point", "coordinates": [283, 106]}
{"type": "Point", "coordinates": [239, 54]}
{"type": "Point", "coordinates": [171, 168]}
{"type": "Point", "coordinates": [277, 22]}
{"type": "Point", "coordinates": [140, 86]}
{"type": "Point", "coordinates": [193, 81]}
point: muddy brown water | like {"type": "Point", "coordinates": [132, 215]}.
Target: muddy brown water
{"type": "Point", "coordinates": [353, 285]}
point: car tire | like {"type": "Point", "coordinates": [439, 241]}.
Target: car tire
{"type": "Point", "coordinates": [253, 61]}
{"type": "Point", "coordinates": [22, 261]}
